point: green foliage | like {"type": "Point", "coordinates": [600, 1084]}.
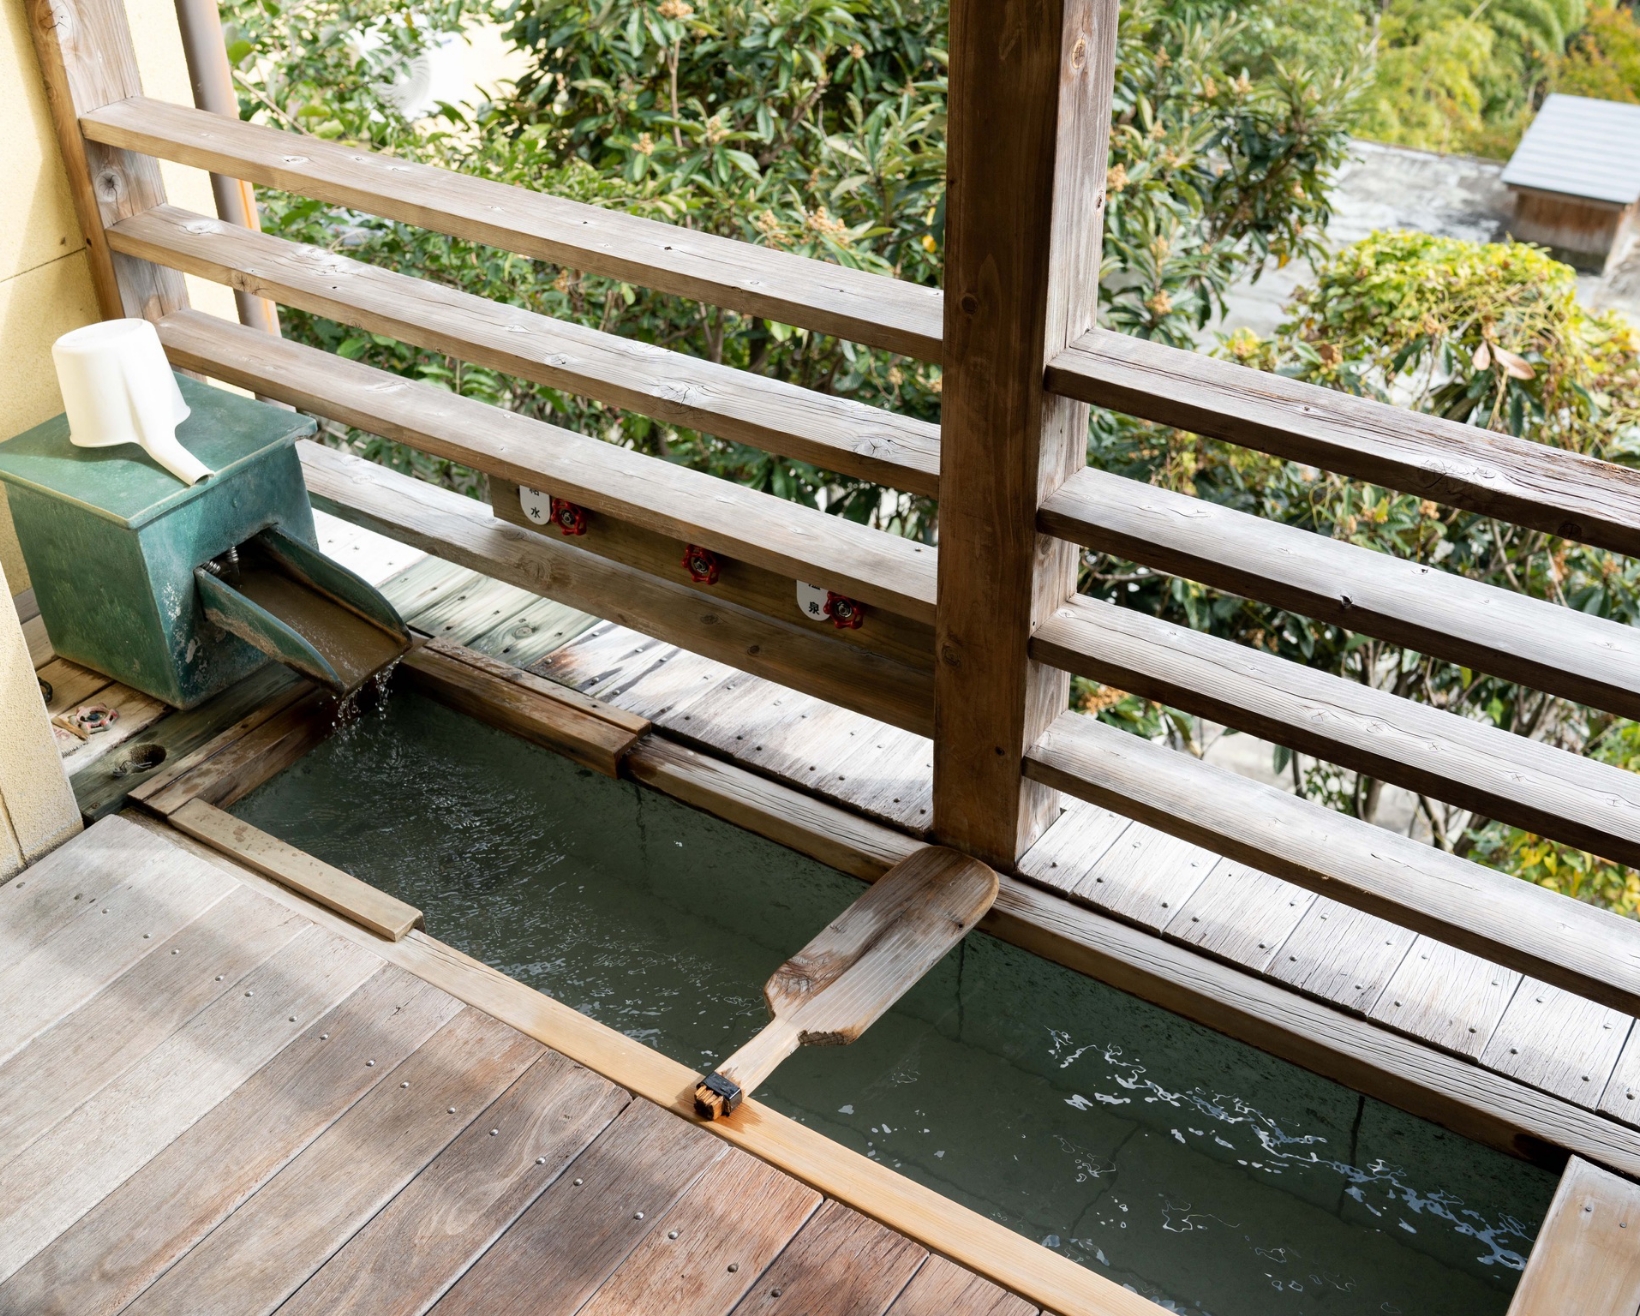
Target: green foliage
{"type": "Point", "coordinates": [814, 126]}
{"type": "Point", "coordinates": [1604, 59]}
{"type": "Point", "coordinates": [1455, 76]}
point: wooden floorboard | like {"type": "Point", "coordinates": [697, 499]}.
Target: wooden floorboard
{"type": "Point", "coordinates": [75, 1058]}
{"type": "Point", "coordinates": [261, 1112]}
{"type": "Point", "coordinates": [1241, 915]}
{"type": "Point", "coordinates": [66, 1172]}
{"type": "Point", "coordinates": [141, 1228]}
{"type": "Point", "coordinates": [1558, 1042]}
{"type": "Point", "coordinates": [1342, 955]}
{"type": "Point", "coordinates": [706, 1252]}
{"type": "Point", "coordinates": [406, 1258]}
{"type": "Point", "coordinates": [103, 939]}
{"type": "Point", "coordinates": [571, 1240]}
{"type": "Point", "coordinates": [942, 1287]}
{"type": "Point", "coordinates": [1446, 996]}
{"type": "Point", "coordinates": [270, 1246]}
{"type": "Point", "coordinates": [840, 1264]}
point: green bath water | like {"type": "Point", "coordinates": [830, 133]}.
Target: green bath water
{"type": "Point", "coordinates": [1198, 1171]}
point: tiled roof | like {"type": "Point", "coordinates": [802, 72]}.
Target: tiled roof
{"type": "Point", "coordinates": [1582, 148]}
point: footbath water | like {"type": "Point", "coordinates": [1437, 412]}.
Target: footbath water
{"type": "Point", "coordinates": [1208, 1176]}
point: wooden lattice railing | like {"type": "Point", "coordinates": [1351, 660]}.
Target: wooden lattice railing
{"type": "Point", "coordinates": [974, 643]}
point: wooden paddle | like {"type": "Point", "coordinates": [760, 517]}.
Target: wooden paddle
{"type": "Point", "coordinates": [868, 957]}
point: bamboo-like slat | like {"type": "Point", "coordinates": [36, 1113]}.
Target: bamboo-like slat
{"type": "Point", "coordinates": [1465, 762]}
{"type": "Point", "coordinates": [1530, 484]}
{"type": "Point", "coordinates": [1592, 952]}
{"type": "Point", "coordinates": [832, 432]}
{"type": "Point", "coordinates": [1536, 643]}
{"type": "Point", "coordinates": [831, 299]}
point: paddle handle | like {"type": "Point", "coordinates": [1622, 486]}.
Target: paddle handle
{"type": "Point", "coordinates": [721, 1091]}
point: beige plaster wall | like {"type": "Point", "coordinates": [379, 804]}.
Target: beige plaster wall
{"type": "Point", "coordinates": [45, 282]}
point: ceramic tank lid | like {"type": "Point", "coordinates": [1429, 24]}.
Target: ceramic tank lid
{"type": "Point", "coordinates": [124, 484]}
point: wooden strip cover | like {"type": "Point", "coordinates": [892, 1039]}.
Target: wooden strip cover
{"type": "Point", "coordinates": [140, 1229]}
{"type": "Point", "coordinates": [65, 1065]}
{"type": "Point", "coordinates": [1559, 1042]}
{"type": "Point", "coordinates": [565, 1246]}
{"type": "Point", "coordinates": [1342, 955]}
{"type": "Point", "coordinates": [267, 1248]}
{"type": "Point", "coordinates": [943, 1288]}
{"type": "Point", "coordinates": [1146, 876]}
{"type": "Point", "coordinates": [832, 299]}
{"type": "Point", "coordinates": [1575, 946]}
{"type": "Point", "coordinates": [706, 1252]}
{"type": "Point", "coordinates": [1446, 996]}
{"type": "Point", "coordinates": [840, 1264]}
{"type": "Point", "coordinates": [404, 1260]}
{"type": "Point", "coordinates": [1587, 1255]}
{"type": "Point", "coordinates": [1241, 915]}
{"type": "Point", "coordinates": [385, 915]}
{"type": "Point", "coordinates": [63, 1174]}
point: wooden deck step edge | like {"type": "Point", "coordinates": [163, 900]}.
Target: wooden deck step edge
{"type": "Point", "coordinates": [831, 431]}
{"type": "Point", "coordinates": [1534, 786]}
{"type": "Point", "coordinates": [369, 907]}
{"type": "Point", "coordinates": [533, 707]}
{"type": "Point", "coordinates": [1542, 645]}
{"type": "Point", "coordinates": [1561, 493]}
{"type": "Point", "coordinates": [832, 299]}
{"type": "Point", "coordinates": [1587, 1255]}
{"type": "Point", "coordinates": [1589, 951]}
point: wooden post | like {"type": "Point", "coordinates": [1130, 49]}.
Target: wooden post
{"type": "Point", "coordinates": [87, 61]}
{"type": "Point", "coordinates": [1031, 84]}
{"type": "Point", "coordinates": [211, 77]}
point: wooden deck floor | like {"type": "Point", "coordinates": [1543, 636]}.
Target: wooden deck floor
{"type": "Point", "coordinates": [212, 1104]}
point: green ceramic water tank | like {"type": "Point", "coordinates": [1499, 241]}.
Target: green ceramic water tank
{"type": "Point", "coordinates": [112, 539]}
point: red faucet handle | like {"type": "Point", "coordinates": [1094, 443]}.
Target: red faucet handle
{"type": "Point", "coordinates": [569, 518]}
{"type": "Point", "coordinates": [846, 614]}
{"type": "Point", "coordinates": [701, 564]}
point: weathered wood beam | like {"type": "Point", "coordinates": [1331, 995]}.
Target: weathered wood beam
{"type": "Point", "coordinates": [1539, 644]}
{"type": "Point", "coordinates": [462, 530]}
{"type": "Point", "coordinates": [830, 299]}
{"type": "Point", "coordinates": [1471, 764]}
{"type": "Point", "coordinates": [880, 569]}
{"type": "Point", "coordinates": [1587, 1255]}
{"type": "Point", "coordinates": [1031, 88]}
{"type": "Point", "coordinates": [88, 61]}
{"type": "Point", "coordinates": [1581, 948]}
{"type": "Point", "coordinates": [832, 432]}
{"type": "Point", "coordinates": [1530, 484]}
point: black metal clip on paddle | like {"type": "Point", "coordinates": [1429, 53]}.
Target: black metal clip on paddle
{"type": "Point", "coordinates": [868, 957]}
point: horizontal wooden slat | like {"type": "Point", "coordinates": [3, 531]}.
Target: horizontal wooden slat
{"type": "Point", "coordinates": [832, 299]}
{"type": "Point", "coordinates": [462, 530]}
{"type": "Point", "coordinates": [1540, 644]}
{"type": "Point", "coordinates": [1468, 763]}
{"type": "Point", "coordinates": [799, 542]}
{"type": "Point", "coordinates": [1591, 952]}
{"type": "Point", "coordinates": [832, 432]}
{"type": "Point", "coordinates": [1531, 484]}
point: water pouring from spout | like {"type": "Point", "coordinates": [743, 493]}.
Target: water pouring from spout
{"type": "Point", "coordinates": [118, 388]}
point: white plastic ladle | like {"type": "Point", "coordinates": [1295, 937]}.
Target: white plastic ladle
{"type": "Point", "coordinates": [118, 388]}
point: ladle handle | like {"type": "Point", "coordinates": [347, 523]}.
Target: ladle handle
{"type": "Point", "coordinates": [745, 1071]}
